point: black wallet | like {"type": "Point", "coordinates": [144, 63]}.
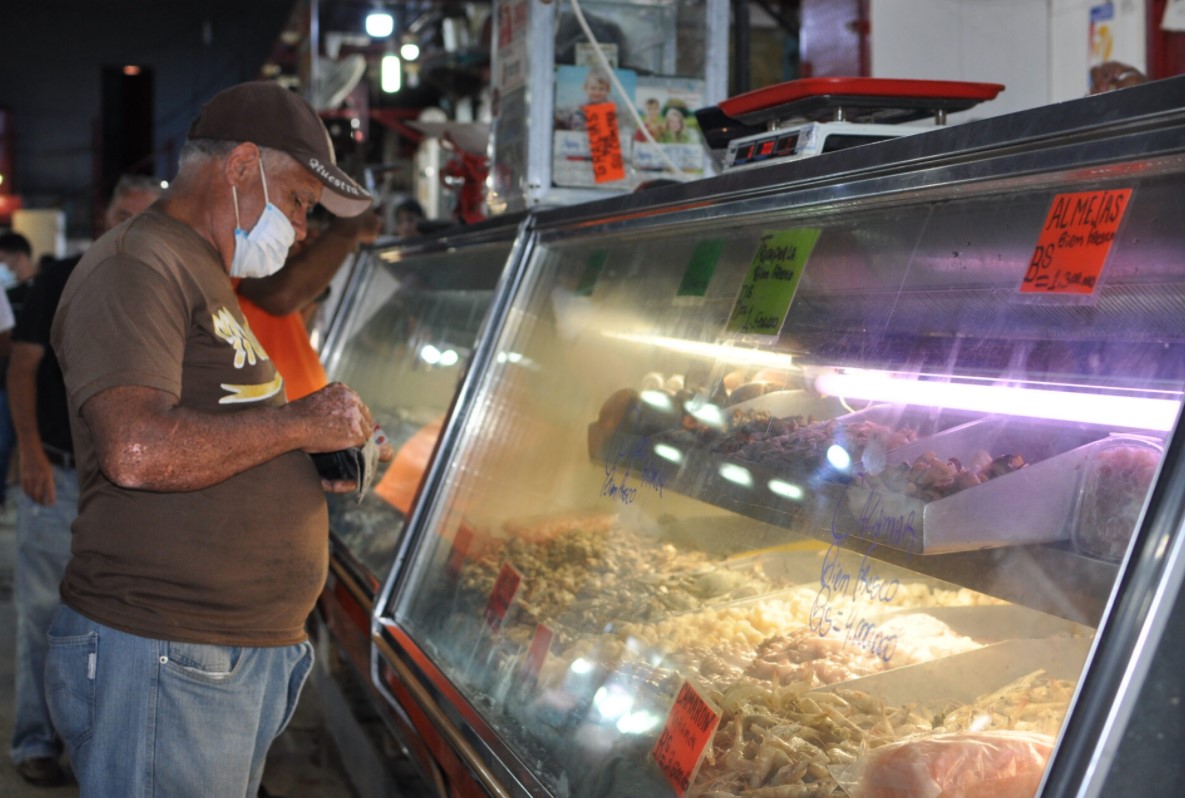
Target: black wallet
{"type": "Point", "coordinates": [356, 464]}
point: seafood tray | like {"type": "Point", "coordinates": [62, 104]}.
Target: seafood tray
{"type": "Point", "coordinates": [1033, 504]}
{"type": "Point", "coordinates": [811, 450]}
{"type": "Point", "coordinates": [962, 678]}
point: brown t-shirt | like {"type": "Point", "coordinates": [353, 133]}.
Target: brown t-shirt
{"type": "Point", "coordinates": [237, 563]}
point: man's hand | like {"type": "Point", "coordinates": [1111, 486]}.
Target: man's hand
{"type": "Point", "coordinates": [336, 418]}
{"type": "Point", "coordinates": [361, 229]}
{"type": "Point", "coordinates": [37, 476]}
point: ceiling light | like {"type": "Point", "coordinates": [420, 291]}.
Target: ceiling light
{"type": "Point", "coordinates": [410, 51]}
{"type": "Point", "coordinates": [391, 74]}
{"type": "Point", "coordinates": [379, 24]}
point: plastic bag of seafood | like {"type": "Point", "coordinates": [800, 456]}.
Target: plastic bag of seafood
{"type": "Point", "coordinates": [988, 764]}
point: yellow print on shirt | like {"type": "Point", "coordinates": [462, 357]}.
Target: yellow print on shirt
{"type": "Point", "coordinates": [247, 351]}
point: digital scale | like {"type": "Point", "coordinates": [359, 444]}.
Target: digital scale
{"type": "Point", "coordinates": [808, 117]}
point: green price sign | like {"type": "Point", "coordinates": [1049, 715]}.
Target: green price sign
{"type": "Point", "coordinates": [592, 272]}
{"type": "Point", "coordinates": [701, 268]}
{"type": "Point", "coordinates": [765, 297]}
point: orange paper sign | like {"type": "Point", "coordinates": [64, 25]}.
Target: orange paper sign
{"type": "Point", "coordinates": [505, 588]}
{"type": "Point", "coordinates": [604, 142]}
{"type": "Point", "coordinates": [1074, 242]}
{"type": "Point", "coordinates": [690, 726]}
{"type": "Point", "coordinates": [399, 485]}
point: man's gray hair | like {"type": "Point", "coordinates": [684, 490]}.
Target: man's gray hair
{"type": "Point", "coordinates": [202, 149]}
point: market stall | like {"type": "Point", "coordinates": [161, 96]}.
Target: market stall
{"type": "Point", "coordinates": [855, 474]}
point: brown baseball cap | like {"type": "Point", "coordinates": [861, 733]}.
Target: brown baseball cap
{"type": "Point", "coordinates": [265, 113]}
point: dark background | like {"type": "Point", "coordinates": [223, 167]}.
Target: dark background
{"type": "Point", "coordinates": [60, 58]}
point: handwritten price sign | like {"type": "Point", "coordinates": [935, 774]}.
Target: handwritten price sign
{"type": "Point", "coordinates": [1074, 242]}
{"type": "Point", "coordinates": [764, 299]}
{"type": "Point", "coordinates": [604, 142]}
{"type": "Point", "coordinates": [690, 726]}
{"type": "Point", "coordinates": [505, 588]}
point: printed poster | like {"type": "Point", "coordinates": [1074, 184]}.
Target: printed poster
{"type": "Point", "coordinates": [575, 88]}
{"type": "Point", "coordinates": [667, 107]}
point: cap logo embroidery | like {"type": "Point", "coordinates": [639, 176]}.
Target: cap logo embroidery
{"type": "Point", "coordinates": [337, 182]}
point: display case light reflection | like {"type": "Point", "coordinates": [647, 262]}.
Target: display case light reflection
{"type": "Point", "coordinates": [581, 666]}
{"type": "Point", "coordinates": [736, 474]}
{"type": "Point", "coordinates": [612, 702]}
{"type": "Point", "coordinates": [838, 457]}
{"type": "Point", "coordinates": [732, 354]}
{"type": "Point", "coordinates": [514, 358]}
{"type": "Point", "coordinates": [668, 453]}
{"type": "Point", "coordinates": [658, 399]}
{"type": "Point", "coordinates": [1135, 412]}
{"type": "Point", "coordinates": [434, 356]}
{"type": "Point", "coordinates": [786, 489]}
{"type": "Point", "coordinates": [709, 414]}
{"type": "Point", "coordinates": [639, 722]}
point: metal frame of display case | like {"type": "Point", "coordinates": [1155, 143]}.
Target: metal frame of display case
{"type": "Point", "coordinates": [347, 604]}
{"type": "Point", "coordinates": [1134, 131]}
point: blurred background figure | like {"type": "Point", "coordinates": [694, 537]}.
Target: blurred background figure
{"type": "Point", "coordinates": [48, 500]}
{"type": "Point", "coordinates": [408, 216]}
{"type": "Point", "coordinates": [16, 276]}
{"type": "Point", "coordinates": [1114, 75]}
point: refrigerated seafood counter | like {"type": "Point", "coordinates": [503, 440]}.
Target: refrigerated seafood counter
{"type": "Point", "coordinates": [860, 475]}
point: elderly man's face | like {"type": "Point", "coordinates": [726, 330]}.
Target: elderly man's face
{"type": "Point", "coordinates": [290, 187]}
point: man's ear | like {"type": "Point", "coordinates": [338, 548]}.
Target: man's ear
{"type": "Point", "coordinates": [242, 163]}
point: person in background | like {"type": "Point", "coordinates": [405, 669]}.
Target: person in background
{"type": "Point", "coordinates": [408, 215]}
{"type": "Point", "coordinates": [48, 500]}
{"type": "Point", "coordinates": [179, 651]}
{"type": "Point", "coordinates": [1114, 75]}
{"type": "Point", "coordinates": [274, 305]}
{"type": "Point", "coordinates": [16, 275]}
{"type": "Point", "coordinates": [16, 268]}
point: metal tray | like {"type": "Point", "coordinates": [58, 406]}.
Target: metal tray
{"type": "Point", "coordinates": [1031, 505]}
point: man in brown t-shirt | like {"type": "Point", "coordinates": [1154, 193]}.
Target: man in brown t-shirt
{"type": "Point", "coordinates": [201, 542]}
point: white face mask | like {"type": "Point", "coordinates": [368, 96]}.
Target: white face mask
{"type": "Point", "coordinates": [7, 276]}
{"type": "Point", "coordinates": [261, 252]}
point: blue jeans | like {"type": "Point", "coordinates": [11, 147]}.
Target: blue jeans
{"type": "Point", "coordinates": [42, 550]}
{"type": "Point", "coordinates": [7, 443]}
{"type": "Point", "coordinates": [145, 718]}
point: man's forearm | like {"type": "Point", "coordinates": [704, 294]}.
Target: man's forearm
{"type": "Point", "coordinates": [144, 441]}
{"type": "Point", "coordinates": [22, 394]}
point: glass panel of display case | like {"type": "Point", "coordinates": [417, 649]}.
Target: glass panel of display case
{"type": "Point", "coordinates": [786, 503]}
{"type": "Point", "coordinates": [404, 346]}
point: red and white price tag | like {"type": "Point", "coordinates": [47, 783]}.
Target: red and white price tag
{"type": "Point", "coordinates": [502, 596]}
{"type": "Point", "coordinates": [462, 540]}
{"type": "Point", "coordinates": [690, 725]}
{"type": "Point", "coordinates": [537, 653]}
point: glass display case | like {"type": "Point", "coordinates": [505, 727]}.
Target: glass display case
{"type": "Point", "coordinates": [403, 336]}
{"type": "Point", "coordinates": [857, 476]}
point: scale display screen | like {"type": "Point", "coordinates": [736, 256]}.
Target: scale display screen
{"type": "Point", "coordinates": [775, 145]}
